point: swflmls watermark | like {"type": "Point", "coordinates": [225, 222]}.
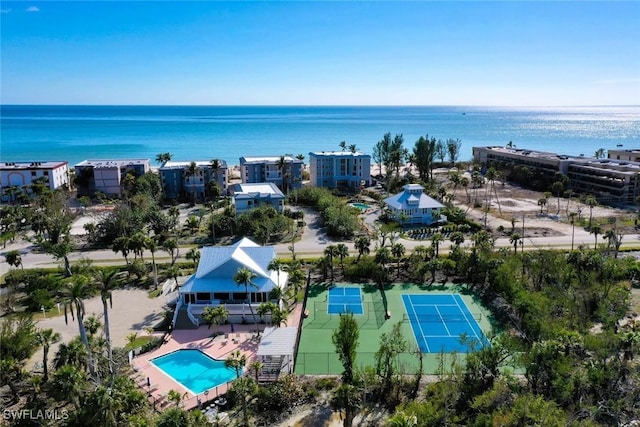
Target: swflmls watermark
{"type": "Point", "coordinates": [35, 414]}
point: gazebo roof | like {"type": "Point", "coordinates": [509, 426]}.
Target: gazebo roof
{"type": "Point", "coordinates": [277, 341]}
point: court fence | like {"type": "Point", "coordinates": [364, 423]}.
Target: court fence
{"type": "Point", "coordinates": [373, 317]}
{"type": "Point", "coordinates": [329, 363]}
{"type": "Point", "coordinates": [445, 318]}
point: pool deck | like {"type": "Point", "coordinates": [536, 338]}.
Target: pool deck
{"type": "Point", "coordinates": [219, 348]}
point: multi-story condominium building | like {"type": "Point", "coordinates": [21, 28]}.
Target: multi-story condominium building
{"type": "Point", "coordinates": [106, 176]}
{"type": "Point", "coordinates": [340, 169]}
{"type": "Point", "coordinates": [248, 196]}
{"type": "Point", "coordinates": [287, 176]}
{"type": "Point", "coordinates": [629, 155]}
{"type": "Point", "coordinates": [611, 180]}
{"type": "Point", "coordinates": [178, 180]}
{"type": "Point", "coordinates": [21, 174]}
{"type": "Point", "coordinates": [551, 162]}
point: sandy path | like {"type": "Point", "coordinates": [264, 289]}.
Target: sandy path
{"type": "Point", "coordinates": [132, 311]}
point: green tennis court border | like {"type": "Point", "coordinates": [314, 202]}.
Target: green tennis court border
{"type": "Point", "coordinates": [316, 352]}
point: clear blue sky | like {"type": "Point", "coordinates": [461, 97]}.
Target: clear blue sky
{"type": "Point", "coordinates": [325, 53]}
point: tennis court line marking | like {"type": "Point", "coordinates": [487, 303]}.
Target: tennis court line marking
{"type": "Point", "coordinates": [468, 323]}
{"type": "Point", "coordinates": [424, 339]}
{"type": "Point", "coordinates": [443, 322]}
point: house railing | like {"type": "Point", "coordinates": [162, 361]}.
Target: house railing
{"type": "Point", "coordinates": [175, 313]}
{"type": "Point", "coordinates": [193, 318]}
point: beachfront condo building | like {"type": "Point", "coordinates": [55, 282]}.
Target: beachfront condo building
{"type": "Point", "coordinates": [193, 180]}
{"type": "Point", "coordinates": [249, 196]}
{"type": "Point", "coordinates": [620, 154]}
{"type": "Point", "coordinates": [340, 169]}
{"type": "Point", "coordinates": [413, 206]}
{"type": "Point", "coordinates": [611, 180]}
{"type": "Point", "coordinates": [16, 177]}
{"type": "Point", "coordinates": [284, 171]}
{"type": "Point", "coordinates": [107, 176]}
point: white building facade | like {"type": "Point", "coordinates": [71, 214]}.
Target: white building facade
{"type": "Point", "coordinates": [54, 174]}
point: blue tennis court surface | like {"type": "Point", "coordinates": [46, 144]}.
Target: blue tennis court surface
{"type": "Point", "coordinates": [438, 321]}
{"type": "Point", "coordinates": [344, 300]}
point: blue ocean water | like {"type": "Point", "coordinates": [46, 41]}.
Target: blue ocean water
{"type": "Point", "coordinates": [76, 133]}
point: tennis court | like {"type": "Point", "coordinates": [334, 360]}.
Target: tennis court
{"type": "Point", "coordinates": [343, 300]}
{"type": "Point", "coordinates": [439, 323]}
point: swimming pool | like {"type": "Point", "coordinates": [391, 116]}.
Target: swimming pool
{"type": "Point", "coordinates": [194, 370]}
{"type": "Point", "coordinates": [361, 206]}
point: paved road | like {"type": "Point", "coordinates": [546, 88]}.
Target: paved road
{"type": "Point", "coordinates": [314, 241]}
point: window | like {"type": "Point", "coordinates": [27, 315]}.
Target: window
{"type": "Point", "coordinates": [33, 173]}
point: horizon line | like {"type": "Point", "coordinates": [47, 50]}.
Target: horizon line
{"type": "Point", "coordinates": [320, 105]}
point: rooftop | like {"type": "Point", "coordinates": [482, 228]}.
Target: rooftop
{"type": "Point", "coordinates": [186, 164]}
{"type": "Point", "coordinates": [268, 159]}
{"type": "Point", "coordinates": [32, 165]}
{"type": "Point", "coordinates": [113, 163]}
{"type": "Point", "coordinates": [338, 153]}
{"type": "Point", "coordinates": [260, 187]}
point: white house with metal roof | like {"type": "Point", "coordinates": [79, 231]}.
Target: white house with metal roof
{"type": "Point", "coordinates": [213, 283]}
{"type": "Point", "coordinates": [249, 196]}
{"type": "Point", "coordinates": [413, 206]}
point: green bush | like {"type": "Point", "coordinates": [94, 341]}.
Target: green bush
{"type": "Point", "coordinates": [40, 298]}
{"type": "Point", "coordinates": [364, 269]}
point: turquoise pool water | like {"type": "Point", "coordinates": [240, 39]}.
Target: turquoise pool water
{"type": "Point", "coordinates": [361, 206]}
{"type": "Point", "coordinates": [194, 370]}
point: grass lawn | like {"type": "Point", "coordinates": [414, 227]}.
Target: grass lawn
{"type": "Point", "coordinates": [316, 352]}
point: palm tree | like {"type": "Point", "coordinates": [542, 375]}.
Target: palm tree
{"type": "Point", "coordinates": [276, 265]}
{"type": "Point", "coordinates": [398, 250]}
{"type": "Point", "coordinates": [542, 202]}
{"type": "Point", "coordinates": [515, 239]}
{"type": "Point", "coordinates": [436, 239]}
{"type": "Point", "coordinates": [70, 382]}
{"type": "Point", "coordinates": [279, 317]}
{"type": "Point", "coordinates": [492, 175]}
{"type": "Point", "coordinates": [14, 258]}
{"type": "Point", "coordinates": [73, 353]}
{"type": "Point", "coordinates": [572, 218]}
{"type": "Point", "coordinates": [362, 245]}
{"type": "Point", "coordinates": [192, 224]}
{"type": "Point", "coordinates": [595, 230]}
{"type": "Point", "coordinates": [215, 316]}
{"type": "Point", "coordinates": [152, 246]}
{"type": "Point", "coordinates": [122, 245]}
{"type": "Point", "coordinates": [173, 272]}
{"type": "Point", "coordinates": [256, 366]}
{"type": "Point", "coordinates": [107, 280]}
{"type": "Point", "coordinates": [238, 361]}
{"type": "Point", "coordinates": [591, 201]}
{"type": "Point", "coordinates": [266, 308]}
{"type": "Point", "coordinates": [244, 277]}
{"type": "Point", "coordinates": [194, 255]}
{"type": "Point", "coordinates": [342, 251]}
{"type": "Point", "coordinates": [46, 337]}
{"type": "Point", "coordinates": [171, 247]}
{"type": "Point", "coordinates": [282, 165]}
{"type": "Point", "coordinates": [331, 252]}
{"type": "Point", "coordinates": [557, 187]}
{"type": "Point", "coordinates": [73, 295]}
{"type": "Point", "coordinates": [137, 244]}
{"type": "Point", "coordinates": [190, 172]}
{"type": "Point", "coordinates": [216, 165]}
{"type": "Point", "coordinates": [163, 158]}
